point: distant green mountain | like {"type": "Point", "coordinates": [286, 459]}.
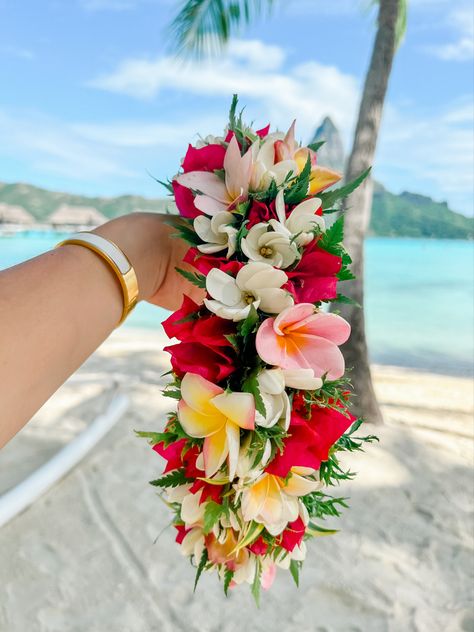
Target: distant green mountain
{"type": "Point", "coordinates": [405, 215]}
{"type": "Point", "coordinates": [413, 215]}
{"type": "Point", "coordinates": [41, 202]}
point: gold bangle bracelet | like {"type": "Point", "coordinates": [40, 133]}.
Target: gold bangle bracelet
{"type": "Point", "coordinates": [117, 260]}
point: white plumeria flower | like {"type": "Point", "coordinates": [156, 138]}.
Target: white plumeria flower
{"type": "Point", "coordinates": [257, 284]}
{"type": "Point", "coordinates": [301, 379]}
{"type": "Point", "coordinates": [284, 559]}
{"type": "Point", "coordinates": [192, 512]}
{"type": "Point", "coordinates": [176, 494]}
{"type": "Point", "coordinates": [247, 471]}
{"type": "Point", "coordinates": [193, 543]}
{"type": "Point", "coordinates": [209, 140]}
{"type": "Point", "coordinates": [271, 383]}
{"type": "Point", "coordinates": [217, 232]}
{"type": "Point", "coordinates": [264, 169]}
{"type": "Point", "coordinates": [302, 219]}
{"type": "Point", "coordinates": [271, 243]}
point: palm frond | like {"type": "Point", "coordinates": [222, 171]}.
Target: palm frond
{"type": "Point", "coordinates": [401, 25]}
{"type": "Point", "coordinates": [204, 26]}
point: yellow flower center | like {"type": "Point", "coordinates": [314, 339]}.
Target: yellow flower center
{"type": "Point", "coordinates": [266, 251]}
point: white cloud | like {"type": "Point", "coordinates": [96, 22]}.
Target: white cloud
{"type": "Point", "coordinates": [432, 154]}
{"type": "Point", "coordinates": [461, 22]}
{"type": "Point", "coordinates": [255, 71]}
{"type": "Point", "coordinates": [52, 146]}
{"type": "Point", "coordinates": [140, 134]}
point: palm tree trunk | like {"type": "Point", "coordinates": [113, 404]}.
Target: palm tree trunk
{"type": "Point", "coordinates": [358, 206]}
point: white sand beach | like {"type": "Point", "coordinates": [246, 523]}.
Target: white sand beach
{"type": "Point", "coordinates": [83, 558]}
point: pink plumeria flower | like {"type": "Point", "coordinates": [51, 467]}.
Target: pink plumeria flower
{"type": "Point", "coordinates": [301, 337]}
{"type": "Point", "coordinates": [206, 411]}
{"type": "Point", "coordinates": [214, 194]}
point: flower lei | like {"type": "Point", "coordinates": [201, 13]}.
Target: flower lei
{"type": "Point", "coordinates": [262, 399]}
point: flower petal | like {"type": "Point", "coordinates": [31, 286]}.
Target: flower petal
{"type": "Point", "coordinates": [274, 300]}
{"type": "Point", "coordinates": [206, 183]}
{"type": "Point", "coordinates": [254, 498]}
{"type": "Point", "coordinates": [223, 287]}
{"type": "Point", "coordinates": [215, 451]}
{"type": "Point", "coordinates": [196, 424]}
{"type": "Point", "coordinates": [197, 393]}
{"type": "Point", "coordinates": [233, 442]}
{"type": "Point", "coordinates": [330, 326]}
{"type": "Point", "coordinates": [300, 486]}
{"type": "Point", "coordinates": [293, 315]}
{"type": "Point", "coordinates": [238, 407]}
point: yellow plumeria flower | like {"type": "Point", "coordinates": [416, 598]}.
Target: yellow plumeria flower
{"type": "Point", "coordinates": [207, 411]}
{"type": "Point", "coordinates": [273, 501]}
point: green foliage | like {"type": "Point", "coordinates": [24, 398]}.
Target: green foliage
{"type": "Point", "coordinates": [228, 575]}
{"type": "Point", "coordinates": [202, 26]}
{"type": "Point", "coordinates": [332, 238]}
{"type": "Point", "coordinates": [202, 564]}
{"type": "Point", "coordinates": [276, 434]}
{"type": "Point", "coordinates": [257, 582]}
{"type": "Point", "coordinates": [320, 505]}
{"type": "Point", "coordinates": [350, 443]}
{"type": "Point", "coordinates": [317, 145]}
{"type": "Point", "coordinates": [184, 231]}
{"type": "Point", "coordinates": [199, 280]}
{"type": "Point", "coordinates": [247, 326]}
{"type": "Point", "coordinates": [155, 437]}
{"type": "Point", "coordinates": [295, 567]}
{"type": "Point", "coordinates": [299, 186]}
{"type": "Point", "coordinates": [212, 512]}
{"type": "Point", "coordinates": [329, 198]}
{"type": "Point", "coordinates": [173, 479]}
{"type": "Point", "coordinates": [171, 393]}
{"type": "Point", "coordinates": [250, 385]}
{"type": "Point", "coordinates": [331, 472]}
{"type": "Point", "coordinates": [341, 298]}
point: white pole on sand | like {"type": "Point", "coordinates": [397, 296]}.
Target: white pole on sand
{"type": "Point", "coordinates": [25, 493]}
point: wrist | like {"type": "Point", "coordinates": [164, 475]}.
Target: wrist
{"type": "Point", "coordinates": [140, 237]}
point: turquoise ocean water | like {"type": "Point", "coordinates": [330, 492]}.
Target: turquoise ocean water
{"type": "Point", "coordinates": [419, 299]}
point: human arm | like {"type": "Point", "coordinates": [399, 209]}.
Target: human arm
{"type": "Point", "coordinates": [56, 309]}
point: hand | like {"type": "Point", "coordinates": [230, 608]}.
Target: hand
{"type": "Point", "coordinates": [147, 240]}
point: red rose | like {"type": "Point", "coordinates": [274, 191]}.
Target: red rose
{"type": "Point", "coordinates": [206, 158]}
{"type": "Point", "coordinates": [310, 440]}
{"type": "Point", "coordinates": [260, 212]}
{"type": "Point", "coordinates": [177, 456]}
{"type": "Point", "coordinates": [182, 532]}
{"type": "Point", "coordinates": [314, 278]}
{"type": "Point", "coordinates": [205, 263]}
{"type": "Point", "coordinates": [172, 454]}
{"type": "Point", "coordinates": [293, 535]}
{"type": "Point", "coordinates": [184, 199]}
{"type": "Point", "coordinates": [259, 547]}
{"type": "Point", "coordinates": [193, 357]}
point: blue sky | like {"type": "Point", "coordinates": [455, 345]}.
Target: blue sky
{"type": "Point", "coordinates": [92, 98]}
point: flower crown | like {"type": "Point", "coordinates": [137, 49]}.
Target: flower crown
{"type": "Point", "coordinates": [258, 374]}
